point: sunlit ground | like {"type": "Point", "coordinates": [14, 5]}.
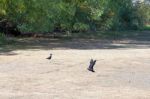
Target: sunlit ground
{"type": "Point", "coordinates": [122, 69]}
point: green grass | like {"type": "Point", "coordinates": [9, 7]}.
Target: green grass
{"type": "Point", "coordinates": [146, 27]}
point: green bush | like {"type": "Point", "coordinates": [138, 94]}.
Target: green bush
{"type": "Point", "coordinates": [81, 27]}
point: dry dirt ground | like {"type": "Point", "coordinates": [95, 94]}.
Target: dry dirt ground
{"type": "Point", "coordinates": [122, 70]}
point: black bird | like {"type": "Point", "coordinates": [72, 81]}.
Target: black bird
{"type": "Point", "coordinates": [50, 57]}
{"type": "Point", "coordinates": [92, 63]}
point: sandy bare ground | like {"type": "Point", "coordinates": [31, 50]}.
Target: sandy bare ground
{"type": "Point", "coordinates": [122, 71]}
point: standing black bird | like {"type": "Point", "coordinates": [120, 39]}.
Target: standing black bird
{"type": "Point", "coordinates": [50, 57]}
{"type": "Point", "coordinates": [92, 63]}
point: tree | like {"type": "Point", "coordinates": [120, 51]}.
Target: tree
{"type": "Point", "coordinates": [72, 15]}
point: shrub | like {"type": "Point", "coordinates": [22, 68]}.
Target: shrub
{"type": "Point", "coordinates": [81, 27]}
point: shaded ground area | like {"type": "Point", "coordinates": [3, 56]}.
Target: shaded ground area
{"type": "Point", "coordinates": [122, 69]}
{"type": "Point", "coordinates": [121, 40]}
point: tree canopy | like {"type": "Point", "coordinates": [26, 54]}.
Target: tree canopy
{"type": "Point", "coordinates": [73, 15]}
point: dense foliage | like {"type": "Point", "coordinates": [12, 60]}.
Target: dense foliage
{"type": "Point", "coordinates": [72, 15]}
